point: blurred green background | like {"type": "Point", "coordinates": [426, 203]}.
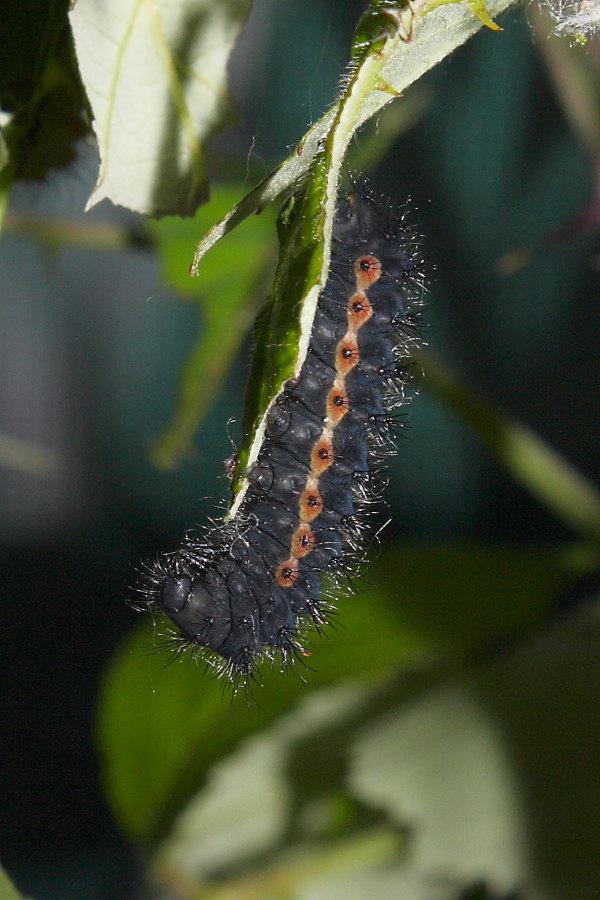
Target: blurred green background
{"type": "Point", "coordinates": [471, 647]}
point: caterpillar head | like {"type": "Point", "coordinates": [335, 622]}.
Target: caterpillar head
{"type": "Point", "coordinates": [195, 609]}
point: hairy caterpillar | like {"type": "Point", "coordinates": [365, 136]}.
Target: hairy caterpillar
{"type": "Point", "coordinates": [254, 586]}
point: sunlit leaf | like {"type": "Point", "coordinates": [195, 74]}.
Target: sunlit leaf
{"type": "Point", "coordinates": [441, 764]}
{"type": "Point", "coordinates": [244, 808]}
{"type": "Point", "coordinates": [155, 74]}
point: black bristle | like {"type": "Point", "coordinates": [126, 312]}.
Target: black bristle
{"type": "Point", "coordinates": [251, 589]}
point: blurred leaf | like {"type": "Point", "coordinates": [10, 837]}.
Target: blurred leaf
{"type": "Point", "coordinates": [27, 456]}
{"type": "Point", "coordinates": [499, 773]}
{"type": "Point", "coordinates": [7, 890]}
{"type": "Point", "coordinates": [546, 700]}
{"type": "Point", "coordinates": [155, 75]}
{"type": "Point", "coordinates": [161, 727]}
{"type": "Point", "coordinates": [421, 753]}
{"type": "Point", "coordinates": [227, 297]}
{"type": "Point", "coordinates": [257, 828]}
{"type": "Point", "coordinates": [440, 764]}
{"type": "Point", "coordinates": [460, 597]}
{"type": "Point", "coordinates": [335, 870]}
{"type": "Point", "coordinates": [243, 809]}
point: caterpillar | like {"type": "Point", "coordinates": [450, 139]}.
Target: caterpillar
{"type": "Point", "coordinates": [252, 588]}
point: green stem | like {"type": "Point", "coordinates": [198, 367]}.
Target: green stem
{"type": "Point", "coordinates": [530, 460]}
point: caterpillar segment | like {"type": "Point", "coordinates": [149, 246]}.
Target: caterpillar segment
{"type": "Point", "coordinates": [253, 588]}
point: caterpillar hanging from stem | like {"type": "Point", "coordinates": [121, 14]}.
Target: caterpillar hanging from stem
{"type": "Point", "coordinates": [253, 588]}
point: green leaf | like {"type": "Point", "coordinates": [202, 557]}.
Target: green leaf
{"type": "Point", "coordinates": [283, 330]}
{"type": "Point", "coordinates": [440, 764]}
{"type": "Point", "coordinates": [460, 597]}
{"type": "Point", "coordinates": [385, 72]}
{"type": "Point", "coordinates": [227, 297]}
{"type": "Point", "coordinates": [161, 727]}
{"type": "Point", "coordinates": [244, 807]}
{"type": "Point", "coordinates": [384, 60]}
{"type": "Point", "coordinates": [155, 75]}
{"type": "Point", "coordinates": [545, 700]}
{"type": "Point", "coordinates": [497, 773]}
{"type": "Point", "coordinates": [436, 797]}
{"type": "Point", "coordinates": [7, 890]}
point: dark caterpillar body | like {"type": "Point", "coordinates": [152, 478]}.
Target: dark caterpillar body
{"type": "Point", "coordinates": [253, 588]}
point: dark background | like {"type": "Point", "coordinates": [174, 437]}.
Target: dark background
{"type": "Point", "coordinates": [91, 341]}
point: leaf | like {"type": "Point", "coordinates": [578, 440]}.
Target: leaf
{"type": "Point", "coordinates": [291, 772]}
{"type": "Point", "coordinates": [155, 76]}
{"type": "Point", "coordinates": [497, 775]}
{"type": "Point", "coordinates": [244, 807]}
{"type": "Point", "coordinates": [388, 73]}
{"type": "Point", "coordinates": [7, 890]}
{"type": "Point", "coordinates": [546, 700]}
{"type": "Point", "coordinates": [462, 597]}
{"type": "Point", "coordinates": [384, 60]}
{"type": "Point", "coordinates": [227, 297]}
{"type": "Point", "coordinates": [440, 765]}
{"type": "Point", "coordinates": [283, 330]}
{"type": "Point", "coordinates": [161, 727]}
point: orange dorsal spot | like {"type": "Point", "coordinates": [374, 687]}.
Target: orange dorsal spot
{"type": "Point", "coordinates": [367, 269]}
{"type": "Point", "coordinates": [303, 541]}
{"type": "Point", "coordinates": [346, 355]}
{"type": "Point", "coordinates": [359, 311]}
{"type": "Point", "coordinates": [310, 504]}
{"type": "Point", "coordinates": [337, 404]}
{"type": "Point", "coordinates": [321, 456]}
{"type": "Point", "coordinates": [287, 573]}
